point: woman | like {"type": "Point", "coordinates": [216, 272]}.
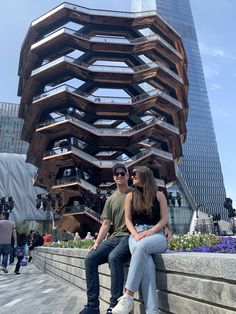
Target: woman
{"type": "Point", "coordinates": [21, 251]}
{"type": "Point", "coordinates": [146, 214]}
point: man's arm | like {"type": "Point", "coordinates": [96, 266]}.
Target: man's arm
{"type": "Point", "coordinates": [102, 233]}
{"type": "Point", "coordinates": [14, 236]}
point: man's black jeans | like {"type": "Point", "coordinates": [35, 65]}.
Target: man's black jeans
{"type": "Point", "coordinates": [116, 252]}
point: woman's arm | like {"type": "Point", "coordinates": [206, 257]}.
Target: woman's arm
{"type": "Point", "coordinates": [164, 215]}
{"type": "Point", "coordinates": [128, 217]}
{"type": "Point", "coordinates": [167, 231]}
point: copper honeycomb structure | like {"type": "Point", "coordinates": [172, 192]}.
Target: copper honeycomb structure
{"type": "Point", "coordinates": [99, 87]}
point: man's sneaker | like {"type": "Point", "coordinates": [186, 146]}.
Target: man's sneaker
{"type": "Point", "coordinates": [4, 270]}
{"type": "Point", "coordinates": [124, 306]}
{"type": "Point", "coordinates": [90, 310]}
{"type": "Point", "coordinates": [109, 310]}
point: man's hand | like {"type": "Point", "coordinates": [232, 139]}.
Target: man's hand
{"type": "Point", "coordinates": [93, 248]}
{"type": "Point", "coordinates": [167, 233]}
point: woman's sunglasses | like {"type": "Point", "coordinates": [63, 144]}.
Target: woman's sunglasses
{"type": "Point", "coordinates": [134, 173]}
{"type": "Point", "coordinates": [121, 173]}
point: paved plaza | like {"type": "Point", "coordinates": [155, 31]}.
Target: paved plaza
{"type": "Point", "coordinates": [34, 292]}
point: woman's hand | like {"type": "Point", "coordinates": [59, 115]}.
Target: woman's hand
{"type": "Point", "coordinates": [142, 235]}
{"type": "Point", "coordinates": [138, 236]}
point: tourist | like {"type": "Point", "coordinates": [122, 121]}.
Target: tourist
{"type": "Point", "coordinates": [7, 230]}
{"type": "Point", "coordinates": [21, 251]}
{"type": "Point", "coordinates": [30, 237]}
{"type": "Point", "coordinates": [47, 238]}
{"type": "Point", "coordinates": [77, 237]}
{"type": "Point", "coordinates": [37, 241]}
{"type": "Point", "coordinates": [146, 215]}
{"type": "Point", "coordinates": [114, 250]}
{"type": "Point", "coordinates": [89, 236]}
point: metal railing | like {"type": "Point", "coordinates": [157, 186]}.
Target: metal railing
{"type": "Point", "coordinates": [106, 163]}
{"type": "Point", "coordinates": [74, 179]}
{"type": "Point", "coordinates": [108, 39]}
{"type": "Point", "coordinates": [106, 131]}
{"type": "Point", "coordinates": [108, 99]}
{"type": "Point", "coordinates": [107, 68]}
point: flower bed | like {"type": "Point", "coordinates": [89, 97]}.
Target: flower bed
{"type": "Point", "coordinates": [205, 243]}
{"type": "Point", "coordinates": [82, 244]}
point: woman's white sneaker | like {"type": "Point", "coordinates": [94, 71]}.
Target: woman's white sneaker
{"type": "Point", "coordinates": [124, 306]}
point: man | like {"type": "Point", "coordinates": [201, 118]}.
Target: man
{"type": "Point", "coordinates": [7, 230]}
{"type": "Point", "coordinates": [37, 241]}
{"type": "Point", "coordinates": [114, 250]}
{"type": "Point", "coordinates": [47, 238]}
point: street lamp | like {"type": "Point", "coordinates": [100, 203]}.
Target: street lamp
{"type": "Point", "coordinates": [6, 204]}
{"type": "Point", "coordinates": [228, 204]}
{"type": "Point", "coordinates": [216, 218]}
{"type": "Point", "coordinates": [45, 201]}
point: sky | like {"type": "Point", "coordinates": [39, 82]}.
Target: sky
{"type": "Point", "coordinates": [215, 24]}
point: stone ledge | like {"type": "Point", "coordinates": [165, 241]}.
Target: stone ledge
{"type": "Point", "coordinates": [186, 282]}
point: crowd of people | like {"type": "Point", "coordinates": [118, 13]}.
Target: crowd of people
{"type": "Point", "coordinates": [17, 245]}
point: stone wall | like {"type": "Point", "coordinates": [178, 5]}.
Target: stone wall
{"type": "Point", "coordinates": [187, 282]}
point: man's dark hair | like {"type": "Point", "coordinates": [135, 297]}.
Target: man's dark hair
{"type": "Point", "coordinates": [119, 165]}
{"type": "Point", "coordinates": [5, 215]}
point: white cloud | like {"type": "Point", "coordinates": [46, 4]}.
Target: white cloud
{"type": "Point", "coordinates": [220, 112]}
{"type": "Point", "coordinates": [215, 86]}
{"type": "Point", "coordinates": [213, 52]}
{"type": "Point", "coordinates": [210, 71]}
{"type": "Point", "coordinates": [218, 52]}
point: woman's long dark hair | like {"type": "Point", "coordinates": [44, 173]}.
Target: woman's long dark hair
{"type": "Point", "coordinates": [22, 239]}
{"type": "Point", "coordinates": [143, 196]}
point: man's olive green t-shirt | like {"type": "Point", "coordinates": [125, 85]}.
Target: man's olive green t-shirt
{"type": "Point", "coordinates": [114, 211]}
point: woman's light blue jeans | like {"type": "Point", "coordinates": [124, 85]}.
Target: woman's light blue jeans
{"type": "Point", "coordinates": [142, 270]}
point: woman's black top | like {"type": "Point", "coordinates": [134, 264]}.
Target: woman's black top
{"type": "Point", "coordinates": [143, 218]}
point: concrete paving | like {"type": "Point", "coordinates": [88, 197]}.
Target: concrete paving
{"type": "Point", "coordinates": [34, 292]}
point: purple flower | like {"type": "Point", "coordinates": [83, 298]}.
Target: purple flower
{"type": "Point", "coordinates": [225, 245]}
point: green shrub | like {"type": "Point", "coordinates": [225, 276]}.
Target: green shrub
{"type": "Point", "coordinates": [83, 244]}
{"type": "Point", "coordinates": [176, 243]}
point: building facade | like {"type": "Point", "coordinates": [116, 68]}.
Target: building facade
{"type": "Point", "coordinates": [128, 103]}
{"type": "Point", "coordinates": [16, 175]}
{"type": "Point", "coordinates": [201, 168]}
{"type": "Point", "coordinates": [10, 129]}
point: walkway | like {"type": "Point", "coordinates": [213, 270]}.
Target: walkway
{"type": "Point", "coordinates": [34, 292]}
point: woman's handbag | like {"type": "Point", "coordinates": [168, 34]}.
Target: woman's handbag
{"type": "Point", "coordinates": [20, 251]}
{"type": "Point", "coordinates": [24, 262]}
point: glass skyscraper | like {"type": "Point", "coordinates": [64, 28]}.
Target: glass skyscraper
{"type": "Point", "coordinates": [10, 129]}
{"type": "Point", "coordinates": [201, 167]}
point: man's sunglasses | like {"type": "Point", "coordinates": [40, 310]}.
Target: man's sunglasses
{"type": "Point", "coordinates": [119, 173]}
